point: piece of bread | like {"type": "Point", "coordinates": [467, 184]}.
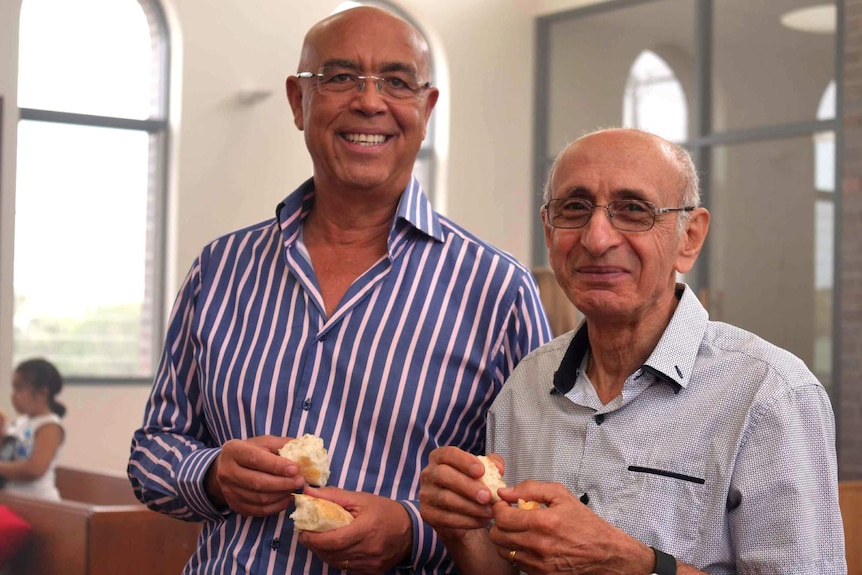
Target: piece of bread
{"type": "Point", "coordinates": [492, 478]}
{"type": "Point", "coordinates": [315, 514]}
{"type": "Point", "coordinates": [494, 481]}
{"type": "Point", "coordinates": [311, 457]}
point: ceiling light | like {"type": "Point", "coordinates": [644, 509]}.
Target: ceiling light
{"type": "Point", "coordinates": [819, 19]}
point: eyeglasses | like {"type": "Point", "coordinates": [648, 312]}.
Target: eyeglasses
{"type": "Point", "coordinates": [624, 215]}
{"type": "Point", "coordinates": [395, 85]}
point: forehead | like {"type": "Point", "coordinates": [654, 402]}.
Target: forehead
{"type": "Point", "coordinates": [371, 39]}
{"type": "Point", "coordinates": [617, 164]}
{"type": "Point", "coordinates": [18, 382]}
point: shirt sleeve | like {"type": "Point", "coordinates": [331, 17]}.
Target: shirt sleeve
{"type": "Point", "coordinates": [783, 500]}
{"type": "Point", "coordinates": [527, 326]}
{"type": "Point", "coordinates": [172, 450]}
{"type": "Point", "coordinates": [524, 328]}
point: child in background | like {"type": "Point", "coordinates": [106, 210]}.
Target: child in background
{"type": "Point", "coordinates": [37, 429]}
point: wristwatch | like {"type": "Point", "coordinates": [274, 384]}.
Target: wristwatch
{"type": "Point", "coordinates": [665, 564]}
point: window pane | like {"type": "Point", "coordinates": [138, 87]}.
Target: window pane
{"type": "Point", "coordinates": [757, 62]}
{"type": "Point", "coordinates": [592, 56]}
{"type": "Point", "coordinates": [87, 56]}
{"type": "Point", "coordinates": [769, 247]}
{"type": "Point", "coordinates": [81, 244]}
{"type": "Point", "coordinates": [654, 99]}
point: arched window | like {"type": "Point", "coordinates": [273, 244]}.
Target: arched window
{"type": "Point", "coordinates": [425, 167]}
{"type": "Point", "coordinates": [89, 218]}
{"type": "Point", "coordinates": [654, 99]}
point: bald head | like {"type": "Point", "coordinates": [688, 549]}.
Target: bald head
{"type": "Point", "coordinates": [632, 141]}
{"type": "Point", "coordinates": [357, 23]}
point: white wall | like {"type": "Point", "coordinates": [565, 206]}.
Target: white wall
{"type": "Point", "coordinates": [233, 163]}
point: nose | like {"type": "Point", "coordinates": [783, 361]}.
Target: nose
{"type": "Point", "coordinates": [369, 99]}
{"type": "Point", "coordinates": [378, 83]}
{"type": "Point", "coordinates": [599, 234]}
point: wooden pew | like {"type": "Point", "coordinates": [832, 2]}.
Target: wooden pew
{"type": "Point", "coordinates": [98, 528]}
{"type": "Point", "coordinates": [850, 500]}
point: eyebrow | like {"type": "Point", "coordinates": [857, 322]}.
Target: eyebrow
{"type": "Point", "coordinates": [386, 67]}
{"type": "Point", "coordinates": [619, 194]}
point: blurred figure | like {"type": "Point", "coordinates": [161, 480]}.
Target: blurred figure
{"type": "Point", "coordinates": [32, 441]}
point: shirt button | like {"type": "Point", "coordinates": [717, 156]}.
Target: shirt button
{"type": "Point", "coordinates": [274, 544]}
{"type": "Point", "coordinates": [600, 418]}
{"type": "Point", "coordinates": [306, 405]}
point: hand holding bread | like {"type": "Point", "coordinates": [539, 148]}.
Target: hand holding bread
{"type": "Point", "coordinates": [494, 481]}
{"type": "Point", "coordinates": [318, 515]}
{"type": "Point", "coordinates": [310, 455]}
{"type": "Point", "coordinates": [313, 513]}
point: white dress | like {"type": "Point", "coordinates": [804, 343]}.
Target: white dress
{"type": "Point", "coordinates": [24, 429]}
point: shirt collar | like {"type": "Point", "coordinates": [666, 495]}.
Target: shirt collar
{"type": "Point", "coordinates": [672, 360]}
{"type": "Point", "coordinates": [414, 212]}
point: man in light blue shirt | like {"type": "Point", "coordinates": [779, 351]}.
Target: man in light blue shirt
{"type": "Point", "coordinates": [658, 441]}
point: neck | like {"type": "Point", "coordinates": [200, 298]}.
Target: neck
{"type": "Point", "coordinates": [617, 351]}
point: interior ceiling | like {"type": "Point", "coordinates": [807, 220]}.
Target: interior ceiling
{"type": "Point", "coordinates": [738, 23]}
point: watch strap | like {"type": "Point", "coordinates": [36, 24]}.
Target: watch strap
{"type": "Point", "coordinates": [665, 564]}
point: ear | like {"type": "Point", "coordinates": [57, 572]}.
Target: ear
{"type": "Point", "coordinates": [691, 241]}
{"type": "Point", "coordinates": [546, 227]}
{"type": "Point", "coordinates": [430, 102]}
{"type": "Point", "coordinates": [294, 97]}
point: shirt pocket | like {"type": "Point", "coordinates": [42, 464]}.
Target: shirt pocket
{"type": "Point", "coordinates": [665, 501]}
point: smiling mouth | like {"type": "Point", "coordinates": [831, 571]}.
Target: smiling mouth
{"type": "Point", "coordinates": [365, 139]}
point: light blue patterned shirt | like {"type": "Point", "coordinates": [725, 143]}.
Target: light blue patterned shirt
{"type": "Point", "coordinates": [720, 450]}
{"type": "Point", "coordinates": [410, 360]}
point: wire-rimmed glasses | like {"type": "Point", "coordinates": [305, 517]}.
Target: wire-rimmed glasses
{"type": "Point", "coordinates": [624, 215]}
{"type": "Point", "coordinates": [398, 85]}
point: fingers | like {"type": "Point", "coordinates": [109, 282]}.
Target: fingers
{"type": "Point", "coordinates": [450, 494]}
{"type": "Point", "coordinates": [253, 479]}
{"type": "Point", "coordinates": [560, 506]}
{"type": "Point", "coordinates": [379, 538]}
{"type": "Point", "coordinates": [261, 454]}
{"type": "Point", "coordinates": [347, 499]}
{"type": "Point", "coordinates": [542, 492]}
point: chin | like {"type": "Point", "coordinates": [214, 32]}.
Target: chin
{"type": "Point", "coordinates": [363, 178]}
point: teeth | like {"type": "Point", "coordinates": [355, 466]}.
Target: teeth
{"type": "Point", "coordinates": [365, 139]}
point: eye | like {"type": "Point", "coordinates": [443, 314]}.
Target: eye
{"type": "Point", "coordinates": [574, 205]}
{"type": "Point", "coordinates": [340, 78]}
{"type": "Point", "coordinates": [632, 207]}
{"type": "Point", "coordinates": [399, 83]}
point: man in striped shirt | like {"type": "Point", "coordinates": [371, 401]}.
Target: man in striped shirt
{"type": "Point", "coordinates": [357, 314]}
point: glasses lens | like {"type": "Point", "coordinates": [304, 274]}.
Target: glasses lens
{"type": "Point", "coordinates": [336, 79]}
{"type": "Point", "coordinates": [397, 85]}
{"type": "Point", "coordinates": [400, 85]}
{"type": "Point", "coordinates": [569, 213]}
{"type": "Point", "coordinates": [631, 215]}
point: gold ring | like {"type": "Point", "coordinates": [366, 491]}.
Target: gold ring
{"type": "Point", "coordinates": [512, 556]}
{"type": "Point", "coordinates": [344, 564]}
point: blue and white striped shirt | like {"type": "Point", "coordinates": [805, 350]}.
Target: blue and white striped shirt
{"type": "Point", "coordinates": [410, 360]}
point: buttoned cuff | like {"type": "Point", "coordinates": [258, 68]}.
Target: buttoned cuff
{"type": "Point", "coordinates": [190, 483]}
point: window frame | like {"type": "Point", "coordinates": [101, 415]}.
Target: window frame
{"type": "Point", "coordinates": [157, 129]}
{"type": "Point", "coordinates": [703, 139]}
